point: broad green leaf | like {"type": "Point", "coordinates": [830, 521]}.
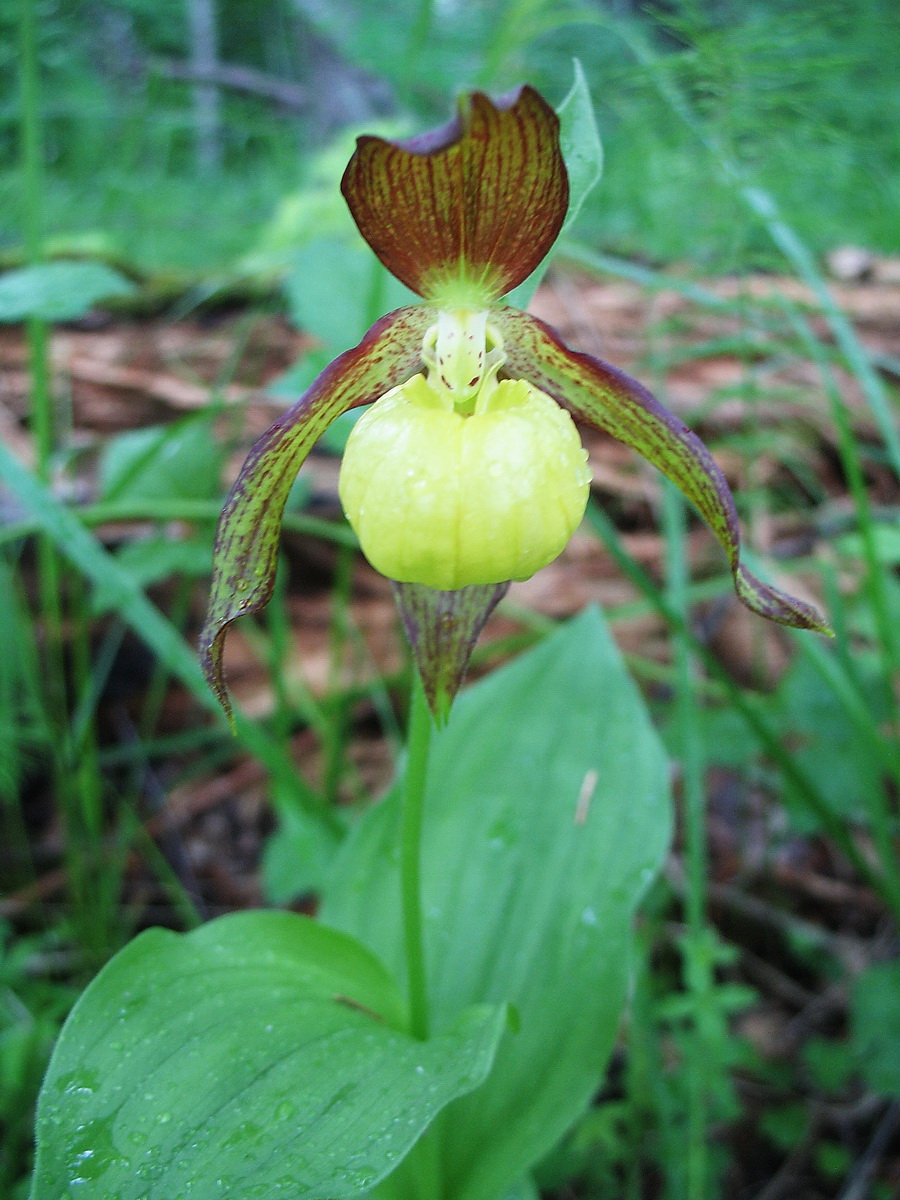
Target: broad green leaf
{"type": "Point", "coordinates": [261, 1055]}
{"type": "Point", "coordinates": [581, 145]}
{"type": "Point", "coordinates": [58, 291]}
{"type": "Point", "coordinates": [154, 559]}
{"type": "Point", "coordinates": [336, 290]}
{"type": "Point", "coordinates": [546, 817]}
{"type": "Point", "coordinates": [876, 1027]}
{"type": "Point", "coordinates": [824, 743]}
{"type": "Point", "coordinates": [297, 857]}
{"type": "Point", "coordinates": [583, 155]}
{"type": "Point", "coordinates": [522, 1189]}
{"type": "Point", "coordinates": [180, 461]}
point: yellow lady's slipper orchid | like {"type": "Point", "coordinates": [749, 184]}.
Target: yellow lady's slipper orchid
{"type": "Point", "coordinates": [449, 492]}
{"type": "Point", "coordinates": [468, 471]}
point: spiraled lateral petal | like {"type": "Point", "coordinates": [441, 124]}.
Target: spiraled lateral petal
{"type": "Point", "coordinates": [249, 528]}
{"type": "Point", "coordinates": [442, 628]}
{"type": "Point", "coordinates": [606, 398]}
{"type": "Point", "coordinates": [464, 213]}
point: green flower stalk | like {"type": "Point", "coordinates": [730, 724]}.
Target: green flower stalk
{"type": "Point", "coordinates": [468, 471]}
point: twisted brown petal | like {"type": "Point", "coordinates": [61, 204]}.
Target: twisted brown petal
{"type": "Point", "coordinates": [250, 525]}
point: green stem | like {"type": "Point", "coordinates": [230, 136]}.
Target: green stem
{"type": "Point", "coordinates": [419, 32]}
{"type": "Point", "coordinates": [686, 715]}
{"type": "Point", "coordinates": [41, 420]}
{"type": "Point", "coordinates": [32, 221]}
{"type": "Point", "coordinates": [30, 131]}
{"type": "Point", "coordinates": [699, 981]}
{"type": "Point", "coordinates": [165, 509]}
{"type": "Point", "coordinates": [418, 744]}
{"type": "Point", "coordinates": [854, 472]}
{"type": "Point", "coordinates": [338, 712]}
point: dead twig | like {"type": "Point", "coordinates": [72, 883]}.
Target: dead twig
{"type": "Point", "coordinates": [857, 1186]}
{"type": "Point", "coordinates": [287, 95]}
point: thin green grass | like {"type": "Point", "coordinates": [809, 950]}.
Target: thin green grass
{"type": "Point", "coordinates": [846, 671]}
{"type": "Point", "coordinates": [779, 318]}
{"type": "Point", "coordinates": [697, 965]}
{"type": "Point", "coordinates": [807, 101]}
{"type": "Point", "coordinates": [750, 710]}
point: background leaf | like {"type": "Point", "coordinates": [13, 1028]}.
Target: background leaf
{"type": "Point", "coordinates": [876, 1027]}
{"type": "Point", "coordinates": [163, 462]}
{"type": "Point", "coordinates": [581, 145]}
{"type": "Point", "coordinates": [546, 817]}
{"type": "Point", "coordinates": [336, 290]}
{"type": "Point", "coordinates": [297, 856]}
{"type": "Point", "coordinates": [58, 291]}
{"type": "Point", "coordinates": [583, 155]}
{"type": "Point", "coordinates": [152, 560]}
{"type": "Point", "coordinates": [258, 1055]}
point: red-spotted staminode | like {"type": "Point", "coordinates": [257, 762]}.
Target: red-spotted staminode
{"type": "Point", "coordinates": [467, 472]}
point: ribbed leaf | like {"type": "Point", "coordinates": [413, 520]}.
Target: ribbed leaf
{"type": "Point", "coordinates": [546, 816]}
{"type": "Point", "coordinates": [261, 1055]}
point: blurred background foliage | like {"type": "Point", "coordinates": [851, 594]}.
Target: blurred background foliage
{"type": "Point", "coordinates": [193, 149]}
{"type": "Point", "coordinates": [804, 93]}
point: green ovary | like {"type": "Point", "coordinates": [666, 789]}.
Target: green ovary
{"type": "Point", "coordinates": [448, 500]}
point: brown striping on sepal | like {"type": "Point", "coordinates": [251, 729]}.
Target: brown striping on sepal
{"type": "Point", "coordinates": [442, 628]}
{"type": "Point", "coordinates": [606, 398]}
{"type": "Point", "coordinates": [480, 200]}
{"type": "Point", "coordinates": [249, 528]}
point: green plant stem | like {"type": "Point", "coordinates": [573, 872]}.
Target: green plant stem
{"type": "Point", "coordinates": [32, 219]}
{"type": "Point", "coordinates": [29, 129]}
{"type": "Point", "coordinates": [851, 461]}
{"type": "Point", "coordinates": [418, 743]}
{"type": "Point", "coordinates": [699, 981]}
{"type": "Point", "coordinates": [686, 714]}
{"type": "Point", "coordinates": [42, 429]}
{"type": "Point", "coordinates": [338, 713]}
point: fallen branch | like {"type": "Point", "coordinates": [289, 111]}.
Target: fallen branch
{"type": "Point", "coordinates": [288, 95]}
